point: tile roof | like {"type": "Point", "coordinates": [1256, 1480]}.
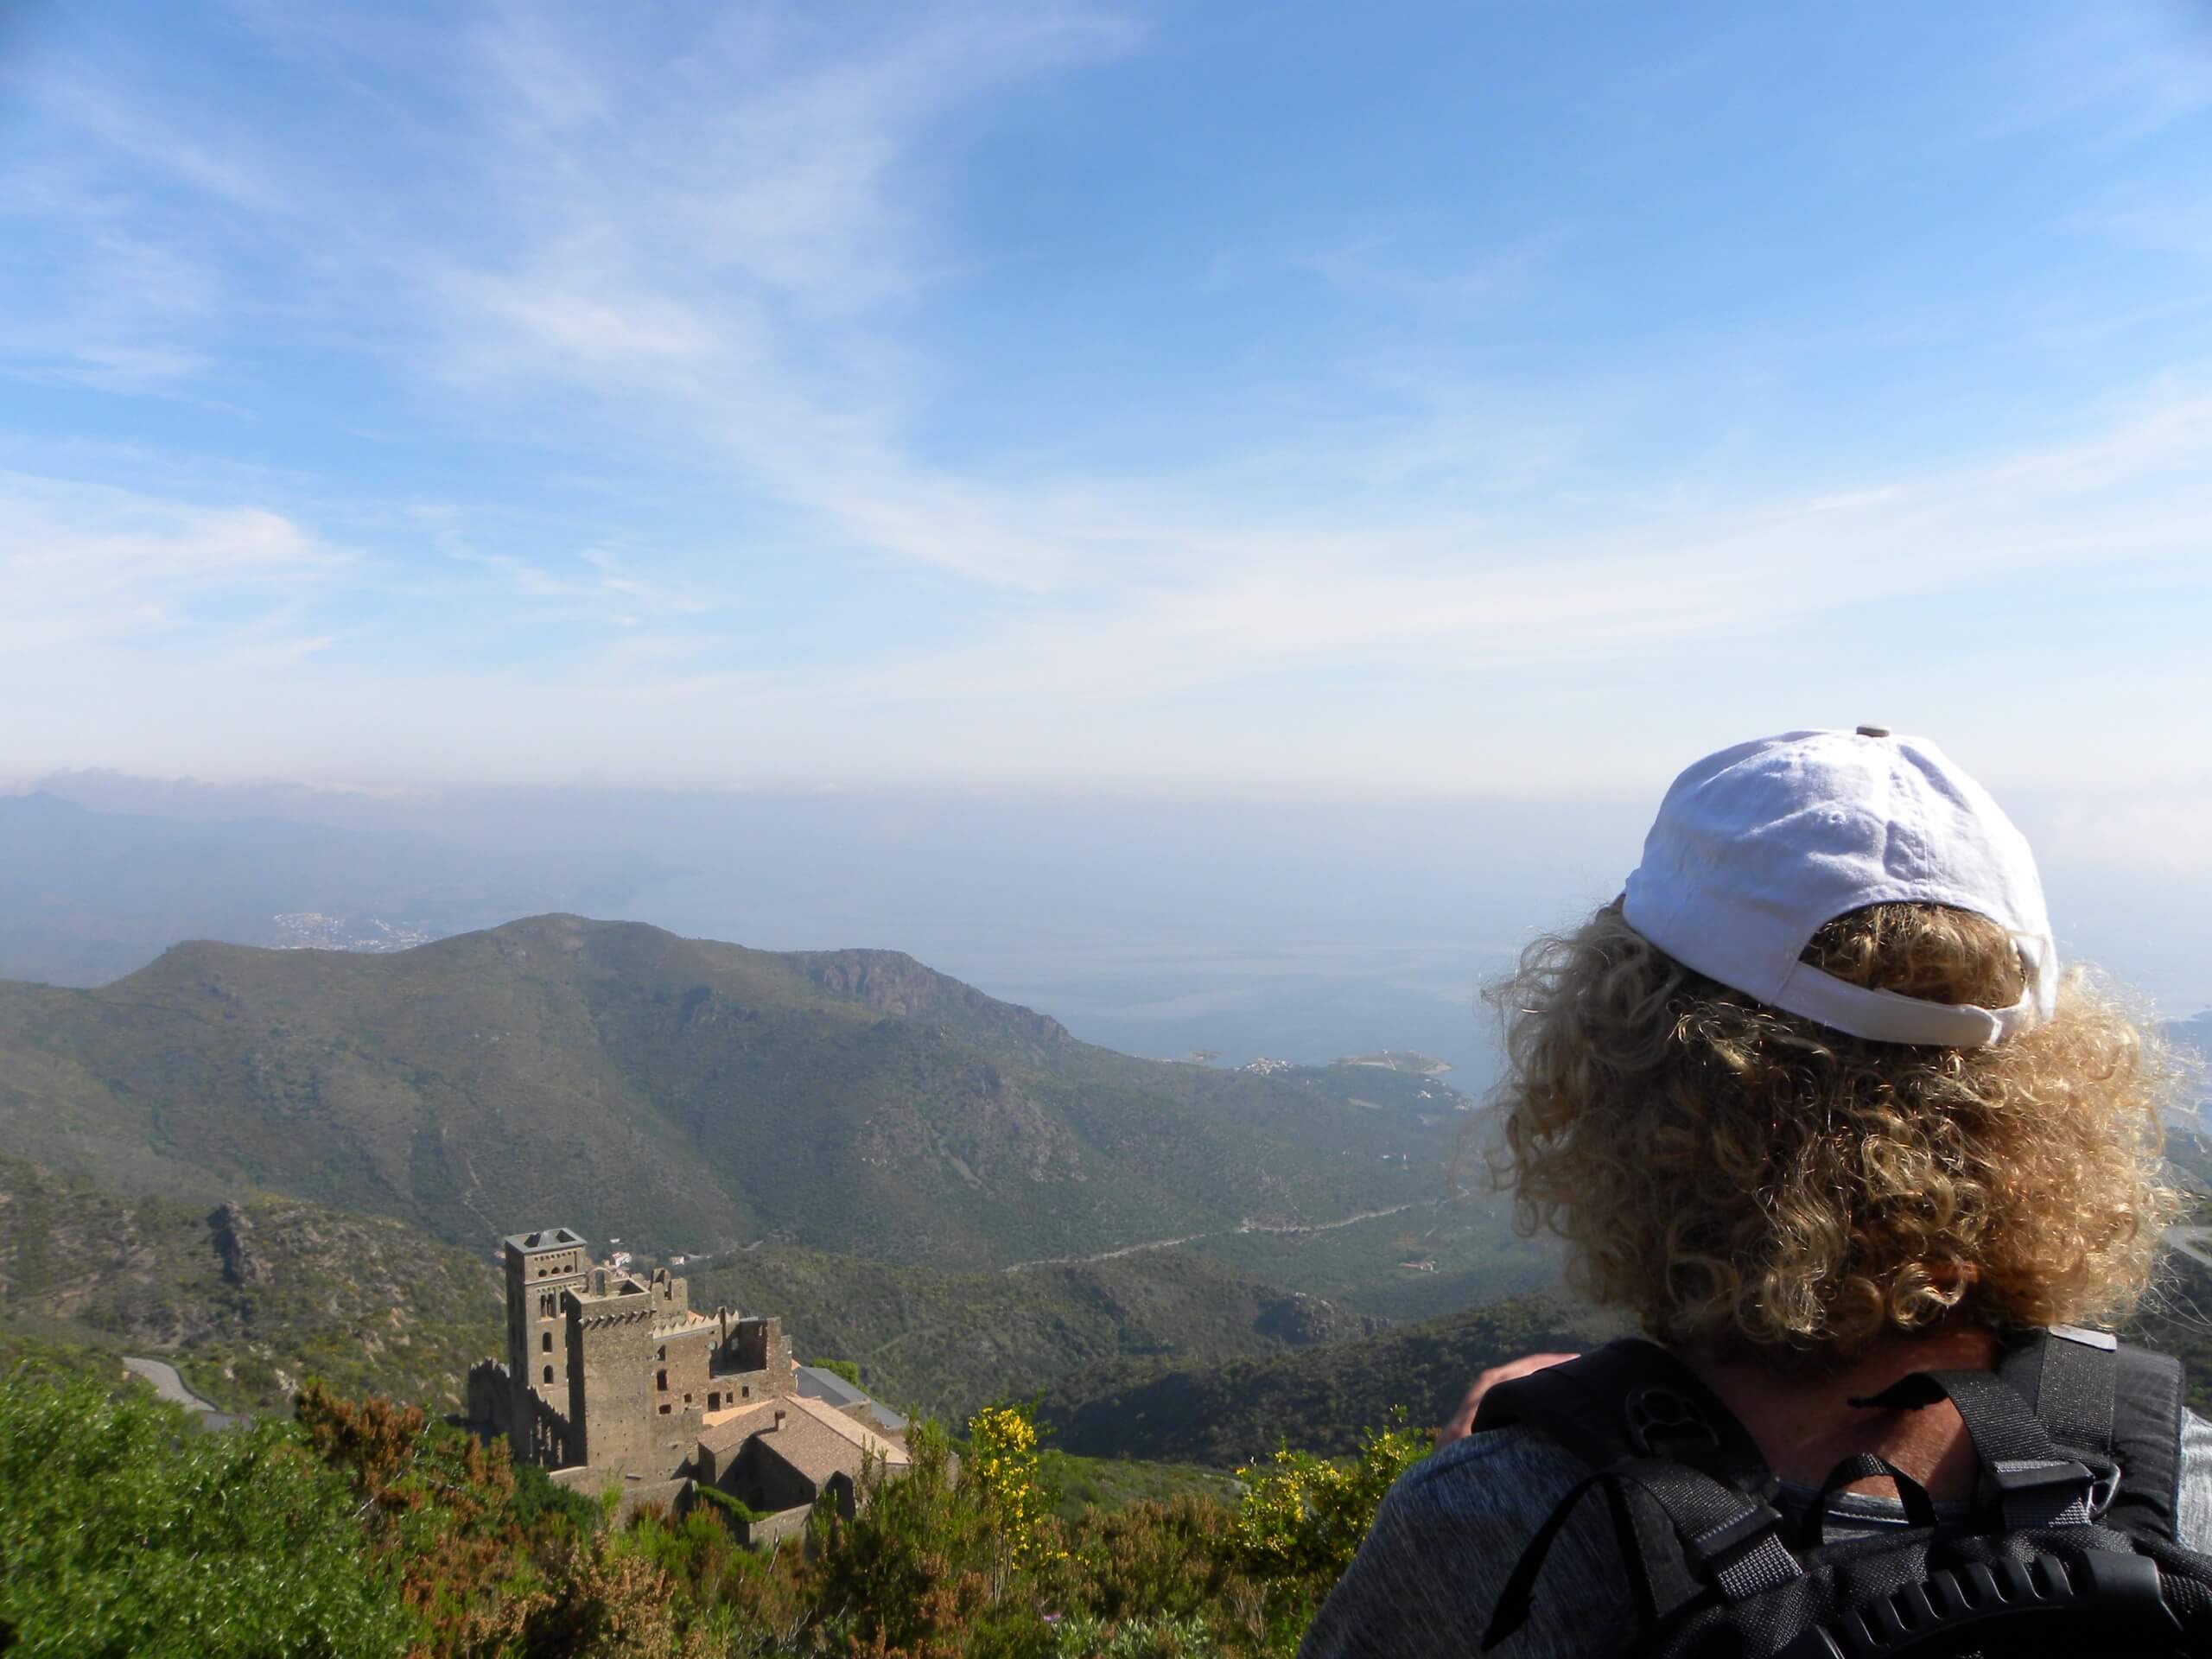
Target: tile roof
{"type": "Point", "coordinates": [812, 1449]}
{"type": "Point", "coordinates": [803, 1418]}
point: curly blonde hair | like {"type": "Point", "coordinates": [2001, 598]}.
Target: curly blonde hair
{"type": "Point", "coordinates": [1744, 1180]}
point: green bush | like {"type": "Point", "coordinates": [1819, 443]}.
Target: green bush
{"type": "Point", "coordinates": [366, 1529]}
{"type": "Point", "coordinates": [539, 1500]}
{"type": "Point", "coordinates": [127, 1531]}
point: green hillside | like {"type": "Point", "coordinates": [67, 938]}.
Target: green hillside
{"type": "Point", "coordinates": [681, 1095]}
{"type": "Point", "coordinates": [245, 1299]}
{"type": "Point", "coordinates": [1318, 1399]}
{"type": "Point", "coordinates": [1415, 1264]}
{"type": "Point", "coordinates": [949, 1342]}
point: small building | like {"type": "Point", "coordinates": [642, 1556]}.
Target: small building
{"type": "Point", "coordinates": [780, 1456]}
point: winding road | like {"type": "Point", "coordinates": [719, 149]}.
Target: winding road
{"type": "Point", "coordinates": [170, 1387]}
{"type": "Point", "coordinates": [167, 1384]}
{"type": "Point", "coordinates": [1221, 1232]}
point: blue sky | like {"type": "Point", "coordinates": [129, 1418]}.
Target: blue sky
{"type": "Point", "coordinates": [1391, 400]}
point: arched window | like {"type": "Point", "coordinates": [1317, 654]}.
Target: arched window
{"type": "Point", "coordinates": [545, 1341]}
{"type": "Point", "coordinates": [549, 1373]}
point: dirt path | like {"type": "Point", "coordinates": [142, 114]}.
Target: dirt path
{"type": "Point", "coordinates": [1221, 1232]}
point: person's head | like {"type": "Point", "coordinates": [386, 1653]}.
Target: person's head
{"type": "Point", "coordinates": [1744, 1176]}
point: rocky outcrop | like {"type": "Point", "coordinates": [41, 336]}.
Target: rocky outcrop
{"type": "Point", "coordinates": [1301, 1320]}
{"type": "Point", "coordinates": [243, 1265]}
{"type": "Point", "coordinates": [893, 982]}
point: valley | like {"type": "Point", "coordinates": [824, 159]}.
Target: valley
{"type": "Point", "coordinates": [263, 1164]}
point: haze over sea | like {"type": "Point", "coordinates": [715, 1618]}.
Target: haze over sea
{"type": "Point", "coordinates": [1298, 930]}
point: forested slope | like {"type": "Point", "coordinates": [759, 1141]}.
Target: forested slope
{"type": "Point", "coordinates": [681, 1095]}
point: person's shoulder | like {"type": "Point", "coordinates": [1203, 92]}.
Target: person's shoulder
{"type": "Point", "coordinates": [1484, 1455]}
{"type": "Point", "coordinates": [1443, 1546]}
{"type": "Point", "coordinates": [1499, 1469]}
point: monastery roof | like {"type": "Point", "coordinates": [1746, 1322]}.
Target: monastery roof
{"type": "Point", "coordinates": [813, 1450]}
{"type": "Point", "coordinates": [819, 1385]}
{"type": "Point", "coordinates": [619, 1285]}
{"type": "Point", "coordinates": [547, 1238]}
{"type": "Point", "coordinates": [727, 1433]}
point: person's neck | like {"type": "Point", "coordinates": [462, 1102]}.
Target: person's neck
{"type": "Point", "coordinates": [1805, 1424]}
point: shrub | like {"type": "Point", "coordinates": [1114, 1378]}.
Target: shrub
{"type": "Point", "coordinates": [127, 1530]}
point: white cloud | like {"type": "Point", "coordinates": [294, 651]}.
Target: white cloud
{"type": "Point", "coordinates": [711, 256]}
{"type": "Point", "coordinates": [80, 563]}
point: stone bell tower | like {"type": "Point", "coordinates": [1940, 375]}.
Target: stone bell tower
{"type": "Point", "coordinates": [540, 1267]}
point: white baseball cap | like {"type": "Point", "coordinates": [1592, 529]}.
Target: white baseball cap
{"type": "Point", "coordinates": [1757, 846]}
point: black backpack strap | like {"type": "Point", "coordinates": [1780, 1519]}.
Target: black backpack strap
{"type": "Point", "coordinates": [2117, 1405]}
{"type": "Point", "coordinates": [2036, 1484]}
{"type": "Point", "coordinates": [1730, 1541]}
{"type": "Point", "coordinates": [1689, 1492]}
{"type": "Point", "coordinates": [2067, 1375]}
{"type": "Point", "coordinates": [2147, 1416]}
{"type": "Point", "coordinates": [1919, 1508]}
{"type": "Point", "coordinates": [1632, 1399]}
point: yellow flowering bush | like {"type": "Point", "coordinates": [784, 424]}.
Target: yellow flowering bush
{"type": "Point", "coordinates": [1303, 1516]}
{"type": "Point", "coordinates": [1004, 1469]}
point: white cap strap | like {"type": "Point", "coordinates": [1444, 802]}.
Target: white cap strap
{"type": "Point", "coordinates": [1887, 1017]}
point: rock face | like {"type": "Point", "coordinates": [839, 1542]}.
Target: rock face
{"type": "Point", "coordinates": [232, 1231]}
{"type": "Point", "coordinates": [1301, 1320]}
{"type": "Point", "coordinates": [893, 982]}
{"type": "Point", "coordinates": [247, 1295]}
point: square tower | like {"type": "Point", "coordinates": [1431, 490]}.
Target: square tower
{"type": "Point", "coordinates": [540, 1267]}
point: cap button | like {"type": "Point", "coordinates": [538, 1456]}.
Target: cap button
{"type": "Point", "coordinates": [1873, 731]}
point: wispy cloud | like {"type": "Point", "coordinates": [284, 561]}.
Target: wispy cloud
{"type": "Point", "coordinates": [699, 260]}
{"type": "Point", "coordinates": [81, 564]}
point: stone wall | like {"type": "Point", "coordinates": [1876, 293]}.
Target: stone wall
{"type": "Point", "coordinates": [774, 1528]}
{"type": "Point", "coordinates": [673, 1295]}
{"type": "Point", "coordinates": [759, 1346]}
{"type": "Point", "coordinates": [680, 1371]}
{"type": "Point", "coordinates": [487, 1399]}
{"type": "Point", "coordinates": [611, 1345]}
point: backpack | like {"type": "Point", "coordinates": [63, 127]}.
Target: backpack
{"type": "Point", "coordinates": [2068, 1548]}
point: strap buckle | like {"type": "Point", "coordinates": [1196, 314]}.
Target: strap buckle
{"type": "Point", "coordinates": [2042, 1492]}
{"type": "Point", "coordinates": [1743, 1554]}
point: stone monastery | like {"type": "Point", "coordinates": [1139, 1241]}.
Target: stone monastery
{"type": "Point", "coordinates": [614, 1381]}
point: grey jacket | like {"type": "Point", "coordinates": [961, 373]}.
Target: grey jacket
{"type": "Point", "coordinates": [1450, 1531]}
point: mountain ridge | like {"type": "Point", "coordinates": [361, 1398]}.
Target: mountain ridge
{"type": "Point", "coordinates": [685, 1093]}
